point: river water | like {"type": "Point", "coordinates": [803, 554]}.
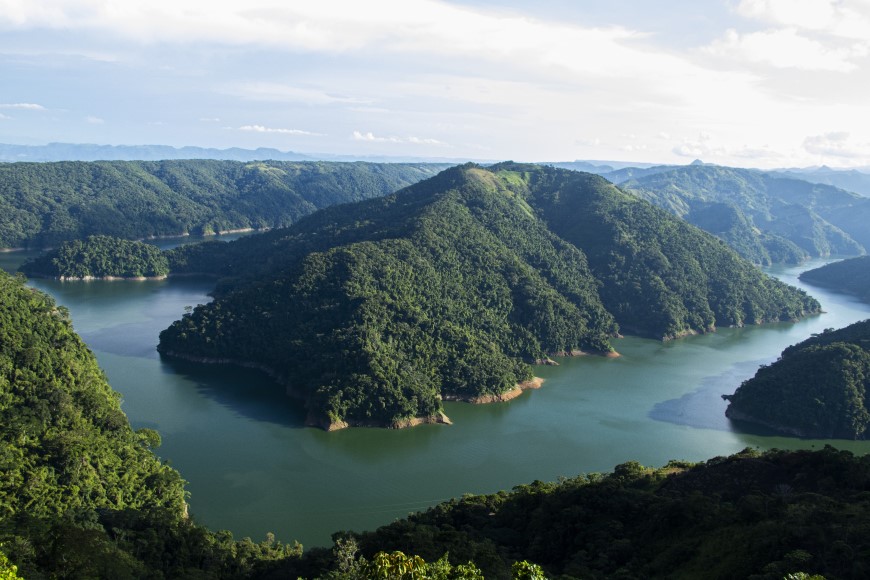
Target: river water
{"type": "Point", "coordinates": [253, 467]}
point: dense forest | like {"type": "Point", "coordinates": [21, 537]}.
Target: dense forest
{"type": "Point", "coordinates": [44, 204]}
{"type": "Point", "coordinates": [375, 312]}
{"type": "Point", "coordinates": [752, 515]}
{"type": "Point", "coordinates": [99, 257]}
{"type": "Point", "coordinates": [766, 218]}
{"type": "Point", "coordinates": [850, 276]}
{"type": "Point", "coordinates": [817, 388]}
{"type": "Point", "coordinates": [82, 495]}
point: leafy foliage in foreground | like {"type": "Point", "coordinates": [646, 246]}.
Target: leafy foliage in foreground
{"type": "Point", "coordinates": [43, 204]}
{"type": "Point", "coordinates": [99, 257]}
{"type": "Point", "coordinates": [376, 311]}
{"type": "Point", "coordinates": [789, 219]}
{"type": "Point", "coordinates": [817, 388]}
{"type": "Point", "coordinates": [81, 494]}
{"type": "Point", "coordinates": [848, 276]}
{"type": "Point", "coordinates": [758, 516]}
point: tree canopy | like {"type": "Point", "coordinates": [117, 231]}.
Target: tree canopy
{"type": "Point", "coordinates": [375, 312]}
{"type": "Point", "coordinates": [44, 204]}
{"type": "Point", "coordinates": [817, 388]}
{"type": "Point", "coordinates": [99, 257]}
{"type": "Point", "coordinates": [767, 218]}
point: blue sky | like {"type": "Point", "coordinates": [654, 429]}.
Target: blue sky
{"type": "Point", "coordinates": [765, 83]}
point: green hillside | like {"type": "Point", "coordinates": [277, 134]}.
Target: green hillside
{"type": "Point", "coordinates": [43, 204]}
{"type": "Point", "coordinates": [752, 515]}
{"type": "Point", "coordinates": [789, 219]}
{"type": "Point", "coordinates": [817, 388]}
{"type": "Point", "coordinates": [82, 495]}
{"type": "Point", "coordinates": [848, 276]}
{"type": "Point", "coordinates": [376, 312]}
{"type": "Point", "coordinates": [99, 257]}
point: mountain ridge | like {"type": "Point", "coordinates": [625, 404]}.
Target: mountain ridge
{"type": "Point", "coordinates": [452, 286]}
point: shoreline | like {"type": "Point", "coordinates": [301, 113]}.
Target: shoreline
{"type": "Point", "coordinates": [314, 420]}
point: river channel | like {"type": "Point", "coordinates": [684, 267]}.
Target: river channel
{"type": "Point", "coordinates": [253, 467]}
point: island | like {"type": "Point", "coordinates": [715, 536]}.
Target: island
{"type": "Point", "coordinates": [375, 312]}
{"type": "Point", "coordinates": [816, 389]}
{"type": "Point", "coordinates": [99, 257]}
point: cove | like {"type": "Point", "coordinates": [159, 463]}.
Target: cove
{"type": "Point", "coordinates": [253, 467]}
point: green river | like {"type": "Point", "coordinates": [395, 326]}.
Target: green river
{"type": "Point", "coordinates": [253, 467]}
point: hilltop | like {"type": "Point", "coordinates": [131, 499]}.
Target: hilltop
{"type": "Point", "coordinates": [376, 312]}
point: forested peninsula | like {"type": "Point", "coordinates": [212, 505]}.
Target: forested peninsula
{"type": "Point", "coordinates": [44, 204]}
{"type": "Point", "coordinates": [376, 312]}
{"type": "Point", "coordinates": [850, 276]}
{"type": "Point", "coordinates": [103, 257]}
{"type": "Point", "coordinates": [766, 218]}
{"type": "Point", "coordinates": [817, 388]}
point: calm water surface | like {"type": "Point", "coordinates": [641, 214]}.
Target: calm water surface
{"type": "Point", "coordinates": [253, 467]}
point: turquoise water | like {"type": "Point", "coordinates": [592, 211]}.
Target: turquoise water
{"type": "Point", "coordinates": [253, 467]}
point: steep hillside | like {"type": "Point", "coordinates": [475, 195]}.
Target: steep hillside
{"type": "Point", "coordinates": [375, 312]}
{"type": "Point", "coordinates": [43, 204]}
{"type": "Point", "coordinates": [750, 515]}
{"type": "Point", "coordinates": [817, 388]}
{"type": "Point", "coordinates": [848, 276]}
{"type": "Point", "coordinates": [81, 494]}
{"type": "Point", "coordinates": [790, 219]}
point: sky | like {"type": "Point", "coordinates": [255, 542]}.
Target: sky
{"type": "Point", "coordinates": [751, 83]}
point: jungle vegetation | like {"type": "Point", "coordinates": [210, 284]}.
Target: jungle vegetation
{"type": "Point", "coordinates": [850, 276]}
{"type": "Point", "coordinates": [82, 495]}
{"type": "Point", "coordinates": [766, 217]}
{"type": "Point", "coordinates": [44, 204]}
{"type": "Point", "coordinates": [375, 312]}
{"type": "Point", "coordinates": [817, 388]}
{"type": "Point", "coordinates": [99, 257]}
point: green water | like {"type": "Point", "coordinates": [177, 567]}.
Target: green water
{"type": "Point", "coordinates": [253, 467]}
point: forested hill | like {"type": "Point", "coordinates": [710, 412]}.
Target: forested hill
{"type": "Point", "coordinates": [81, 493]}
{"type": "Point", "coordinates": [817, 388]}
{"type": "Point", "coordinates": [43, 204]}
{"type": "Point", "coordinates": [779, 515]}
{"type": "Point", "coordinates": [848, 276]}
{"type": "Point", "coordinates": [99, 257]}
{"type": "Point", "coordinates": [376, 311]}
{"type": "Point", "coordinates": [764, 217]}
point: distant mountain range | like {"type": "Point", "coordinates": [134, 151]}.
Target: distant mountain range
{"type": "Point", "coordinates": [92, 152]}
{"type": "Point", "coordinates": [765, 216]}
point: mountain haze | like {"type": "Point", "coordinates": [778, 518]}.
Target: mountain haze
{"type": "Point", "coordinates": [765, 218]}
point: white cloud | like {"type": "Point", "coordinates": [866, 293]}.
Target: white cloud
{"type": "Point", "coordinates": [836, 144]}
{"type": "Point", "coordinates": [841, 18]}
{"type": "Point", "coordinates": [94, 120]}
{"type": "Point", "coordinates": [268, 91]}
{"type": "Point", "coordinates": [209, 120]}
{"type": "Point", "coordinates": [4, 117]}
{"type": "Point", "coordinates": [26, 106]}
{"type": "Point", "coordinates": [370, 137]}
{"type": "Point", "coordinates": [787, 48]}
{"type": "Point", "coordinates": [262, 129]}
